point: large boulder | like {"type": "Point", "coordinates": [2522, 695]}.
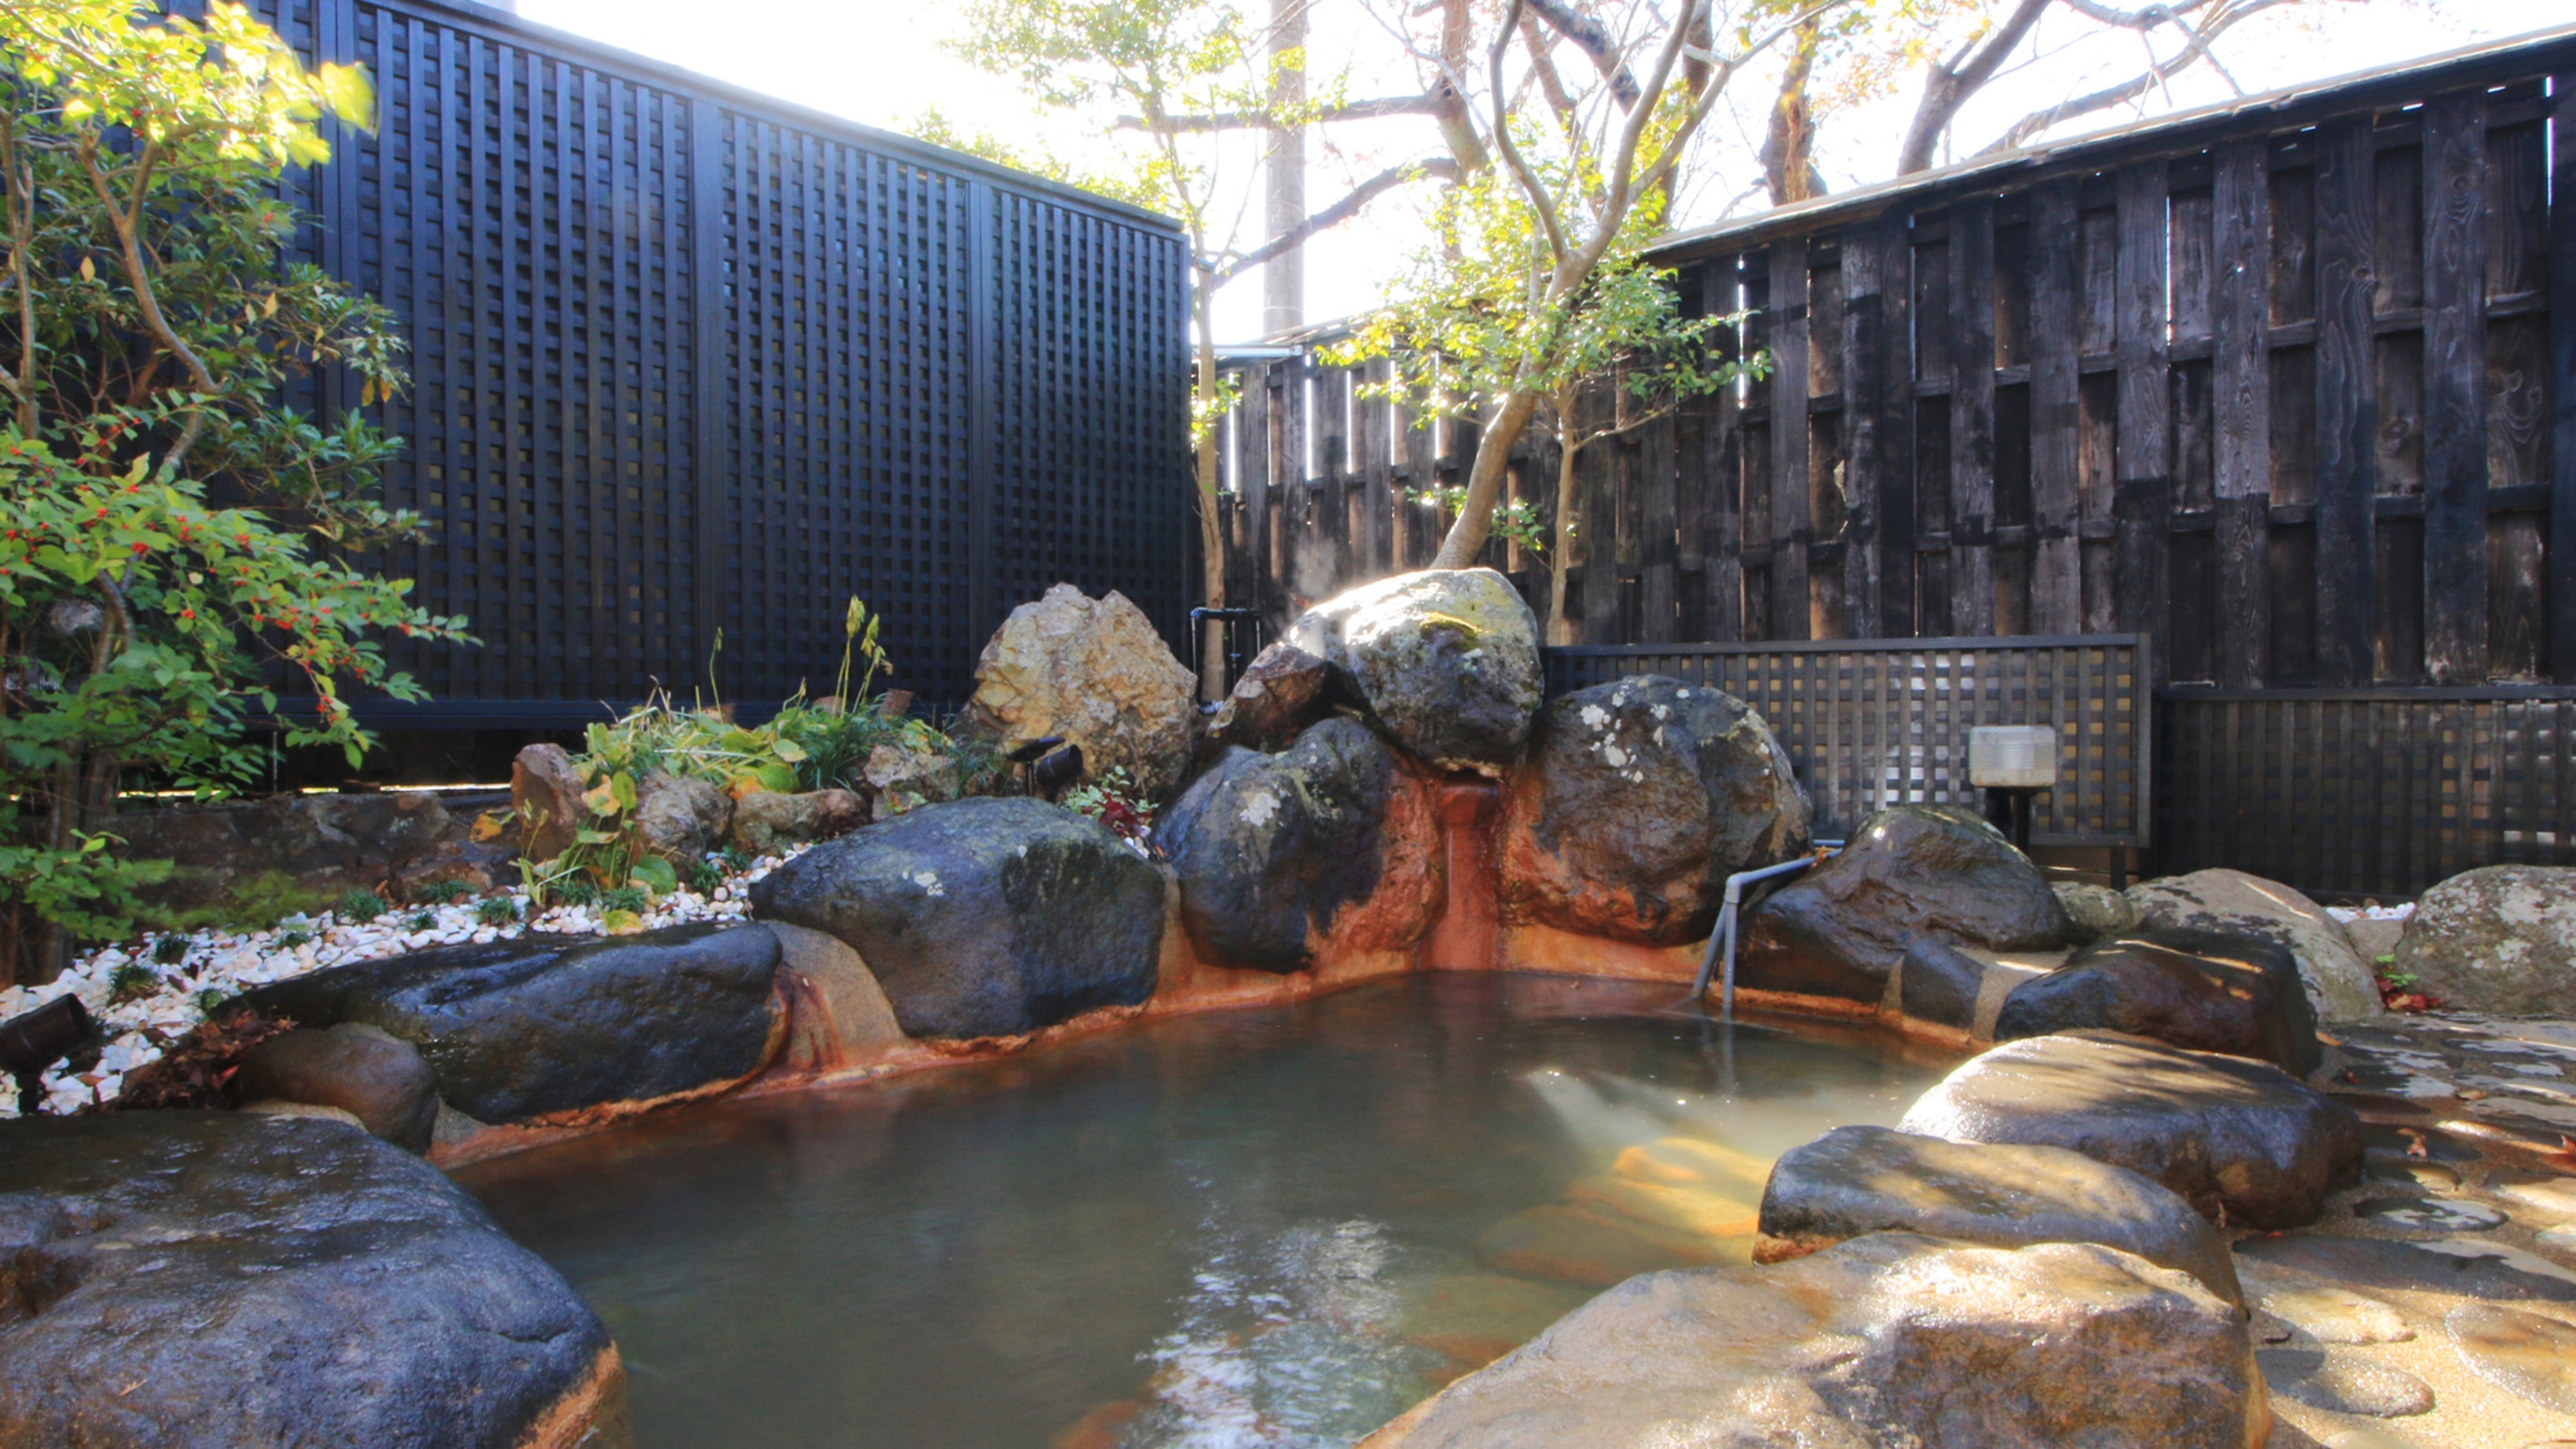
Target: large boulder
{"type": "Point", "coordinates": [680, 817]}
{"type": "Point", "coordinates": [984, 917]}
{"type": "Point", "coordinates": [1911, 872]}
{"type": "Point", "coordinates": [1639, 798]}
{"type": "Point", "coordinates": [2339, 982]}
{"type": "Point", "coordinates": [372, 1075]}
{"type": "Point", "coordinates": [1890, 1339]}
{"type": "Point", "coordinates": [205, 1280]}
{"type": "Point", "coordinates": [1445, 661]}
{"type": "Point", "coordinates": [1276, 854]}
{"type": "Point", "coordinates": [1856, 1180]}
{"type": "Point", "coordinates": [2499, 939]}
{"type": "Point", "coordinates": [542, 1026]}
{"type": "Point", "coordinates": [1095, 672]}
{"type": "Point", "coordinates": [1282, 691]}
{"type": "Point", "coordinates": [2242, 1141]}
{"type": "Point", "coordinates": [2235, 994]}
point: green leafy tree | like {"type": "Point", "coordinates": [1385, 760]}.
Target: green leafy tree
{"type": "Point", "coordinates": [171, 535]}
{"type": "Point", "coordinates": [1620, 354]}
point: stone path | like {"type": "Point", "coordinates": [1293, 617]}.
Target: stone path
{"type": "Point", "coordinates": [2433, 1306]}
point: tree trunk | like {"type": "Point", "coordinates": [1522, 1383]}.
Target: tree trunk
{"type": "Point", "coordinates": [1466, 537]}
{"type": "Point", "coordinates": [1212, 680]}
{"type": "Point", "coordinates": [1559, 629]}
{"type": "Point", "coordinates": [1789, 149]}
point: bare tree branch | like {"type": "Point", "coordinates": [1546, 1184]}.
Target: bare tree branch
{"type": "Point", "coordinates": [2041, 121]}
{"type": "Point", "coordinates": [1948, 84]}
{"type": "Point", "coordinates": [1594, 39]}
{"type": "Point", "coordinates": [1426, 104]}
{"type": "Point", "coordinates": [1334, 215]}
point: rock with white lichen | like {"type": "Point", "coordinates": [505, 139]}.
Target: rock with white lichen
{"type": "Point", "coordinates": [2338, 981]}
{"type": "Point", "coordinates": [1444, 661]}
{"type": "Point", "coordinates": [983, 917]}
{"type": "Point", "coordinates": [1639, 798]}
{"type": "Point", "coordinates": [2501, 938]}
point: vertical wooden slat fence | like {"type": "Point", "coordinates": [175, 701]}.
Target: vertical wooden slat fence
{"type": "Point", "coordinates": [688, 360]}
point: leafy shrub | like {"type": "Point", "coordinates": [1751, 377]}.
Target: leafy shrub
{"type": "Point", "coordinates": [170, 950]}
{"type": "Point", "coordinates": [289, 940]}
{"type": "Point", "coordinates": [132, 981]}
{"type": "Point", "coordinates": [705, 876]}
{"type": "Point", "coordinates": [736, 859]}
{"type": "Point", "coordinates": [358, 907]}
{"type": "Point", "coordinates": [423, 921]}
{"type": "Point", "coordinates": [441, 892]}
{"type": "Point", "coordinates": [497, 911]}
{"type": "Point", "coordinates": [576, 891]}
{"type": "Point", "coordinates": [1111, 801]}
{"type": "Point", "coordinates": [624, 898]}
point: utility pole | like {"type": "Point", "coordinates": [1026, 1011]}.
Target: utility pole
{"type": "Point", "coordinates": [1283, 278]}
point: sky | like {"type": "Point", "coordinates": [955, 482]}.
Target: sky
{"type": "Point", "coordinates": [882, 64]}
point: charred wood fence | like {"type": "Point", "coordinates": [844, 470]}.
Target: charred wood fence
{"type": "Point", "coordinates": [693, 364]}
{"type": "Point", "coordinates": [2286, 387]}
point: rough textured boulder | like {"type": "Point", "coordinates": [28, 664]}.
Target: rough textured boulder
{"type": "Point", "coordinates": [204, 1280]}
{"type": "Point", "coordinates": [1890, 1339]}
{"type": "Point", "coordinates": [1276, 853]}
{"type": "Point", "coordinates": [768, 823]}
{"type": "Point", "coordinates": [1095, 672]}
{"type": "Point", "coordinates": [2235, 994]}
{"type": "Point", "coordinates": [1856, 1180]}
{"type": "Point", "coordinates": [1639, 798]}
{"type": "Point", "coordinates": [380, 1079]}
{"type": "Point", "coordinates": [2242, 1141]}
{"type": "Point", "coordinates": [1915, 871]}
{"type": "Point", "coordinates": [1444, 660]}
{"type": "Point", "coordinates": [1283, 690]}
{"type": "Point", "coordinates": [2501, 938]}
{"type": "Point", "coordinates": [902, 778]}
{"type": "Point", "coordinates": [540, 1026]}
{"type": "Point", "coordinates": [680, 817]}
{"type": "Point", "coordinates": [983, 917]}
{"type": "Point", "coordinates": [2096, 911]}
{"type": "Point", "coordinates": [2339, 981]}
{"type": "Point", "coordinates": [545, 794]}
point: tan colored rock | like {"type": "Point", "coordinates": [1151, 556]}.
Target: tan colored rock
{"type": "Point", "coordinates": [1095, 672]}
{"type": "Point", "coordinates": [767, 823]}
{"type": "Point", "coordinates": [1282, 691]}
{"type": "Point", "coordinates": [545, 791]}
{"type": "Point", "coordinates": [2339, 982]}
{"type": "Point", "coordinates": [902, 778]}
{"type": "Point", "coordinates": [680, 818]}
{"type": "Point", "coordinates": [1888, 1339]}
{"type": "Point", "coordinates": [2500, 939]}
{"type": "Point", "coordinates": [837, 1013]}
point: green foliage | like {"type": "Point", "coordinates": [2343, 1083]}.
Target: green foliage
{"type": "Point", "coordinates": [170, 950]}
{"type": "Point", "coordinates": [423, 921]}
{"type": "Point", "coordinates": [497, 911]}
{"type": "Point", "coordinates": [289, 940]}
{"type": "Point", "coordinates": [440, 892]}
{"type": "Point", "coordinates": [358, 907]}
{"type": "Point", "coordinates": [132, 981]}
{"type": "Point", "coordinates": [736, 859]}
{"type": "Point", "coordinates": [573, 890]}
{"type": "Point", "coordinates": [1112, 800]}
{"type": "Point", "coordinates": [1517, 521]}
{"type": "Point", "coordinates": [254, 904]}
{"type": "Point", "coordinates": [150, 328]}
{"type": "Point", "coordinates": [704, 876]}
{"type": "Point", "coordinates": [628, 898]}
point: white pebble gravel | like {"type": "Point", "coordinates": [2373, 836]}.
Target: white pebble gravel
{"type": "Point", "coordinates": [221, 964]}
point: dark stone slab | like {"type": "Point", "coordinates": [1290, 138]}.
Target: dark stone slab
{"type": "Point", "coordinates": [1856, 1180]}
{"type": "Point", "coordinates": [2407, 1267]}
{"type": "Point", "coordinates": [983, 917]}
{"type": "Point", "coordinates": [209, 1280]}
{"type": "Point", "coordinates": [1940, 984]}
{"type": "Point", "coordinates": [2235, 994]}
{"type": "Point", "coordinates": [2245, 1143]}
{"type": "Point", "coordinates": [1915, 872]}
{"type": "Point", "coordinates": [520, 1029]}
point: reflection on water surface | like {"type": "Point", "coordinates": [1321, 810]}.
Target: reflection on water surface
{"type": "Point", "coordinates": [1281, 1226]}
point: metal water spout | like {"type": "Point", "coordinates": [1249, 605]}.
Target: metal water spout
{"type": "Point", "coordinates": [1721, 941]}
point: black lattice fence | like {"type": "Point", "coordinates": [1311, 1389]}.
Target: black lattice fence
{"type": "Point", "coordinates": [691, 360]}
{"type": "Point", "coordinates": [1875, 723]}
{"type": "Point", "coordinates": [2366, 792]}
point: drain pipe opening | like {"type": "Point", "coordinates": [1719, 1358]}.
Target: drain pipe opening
{"type": "Point", "coordinates": [1721, 941]}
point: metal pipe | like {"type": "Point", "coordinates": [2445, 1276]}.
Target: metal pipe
{"type": "Point", "coordinates": [1721, 941]}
